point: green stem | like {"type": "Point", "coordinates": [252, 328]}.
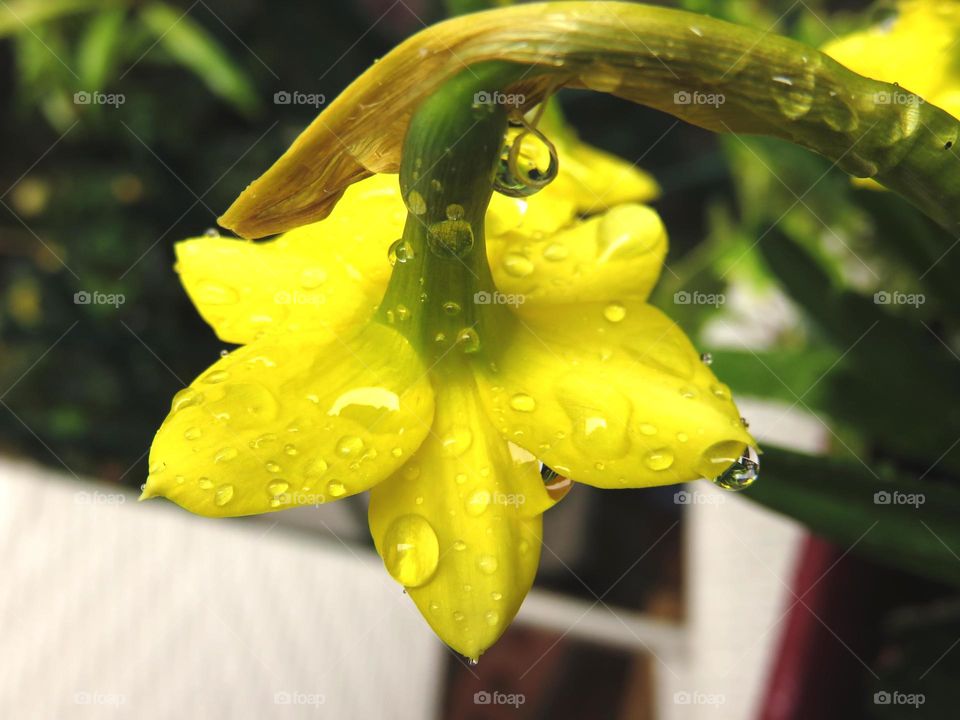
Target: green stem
{"type": "Point", "coordinates": [449, 158]}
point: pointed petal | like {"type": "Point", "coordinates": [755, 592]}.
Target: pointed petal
{"type": "Point", "coordinates": [617, 255]}
{"type": "Point", "coordinates": [292, 420]}
{"type": "Point", "coordinates": [460, 524]}
{"type": "Point", "coordinates": [612, 396]}
{"type": "Point", "coordinates": [330, 274]}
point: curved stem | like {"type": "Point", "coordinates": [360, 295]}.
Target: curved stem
{"type": "Point", "coordinates": [715, 74]}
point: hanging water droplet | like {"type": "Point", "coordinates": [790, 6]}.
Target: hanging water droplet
{"type": "Point", "coordinates": [211, 233]}
{"type": "Point", "coordinates": [706, 358]}
{"type": "Point", "coordinates": [742, 473]}
{"type": "Point", "coordinates": [411, 550]}
{"type": "Point", "coordinates": [224, 353]}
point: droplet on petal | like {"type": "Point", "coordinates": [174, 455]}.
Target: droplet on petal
{"type": "Point", "coordinates": [411, 550]}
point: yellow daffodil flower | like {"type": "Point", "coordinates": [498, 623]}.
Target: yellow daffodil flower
{"type": "Point", "coordinates": [915, 49]}
{"type": "Point", "coordinates": [323, 402]}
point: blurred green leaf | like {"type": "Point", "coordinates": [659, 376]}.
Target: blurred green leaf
{"type": "Point", "coordinates": [191, 45]}
{"type": "Point", "coordinates": [915, 529]}
{"type": "Point", "coordinates": [98, 52]}
{"type": "Point", "coordinates": [778, 374]}
{"type": "Point", "coordinates": [895, 372]}
{"type": "Point", "coordinates": [18, 16]}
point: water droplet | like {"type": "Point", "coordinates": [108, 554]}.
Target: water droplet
{"type": "Point", "coordinates": [450, 238]}
{"type": "Point", "coordinates": [205, 483]}
{"type": "Point", "coordinates": [742, 473]}
{"type": "Point", "coordinates": [478, 502]}
{"type": "Point", "coordinates": [521, 402]}
{"type": "Point", "coordinates": [188, 397]}
{"type": "Point", "coordinates": [472, 662]}
{"type": "Point", "coordinates": [454, 212]}
{"type": "Point", "coordinates": [312, 278]}
{"type": "Point", "coordinates": [458, 616]}
{"type": "Point", "coordinates": [211, 233]}
{"type": "Point", "coordinates": [456, 442]}
{"type": "Point", "coordinates": [721, 391]}
{"type": "Point", "coordinates": [469, 340]}
{"type": "Point", "coordinates": [648, 429]}
{"type": "Point", "coordinates": [214, 377]}
{"type": "Point", "coordinates": [496, 595]}
{"type": "Point", "coordinates": [492, 617]}
{"type": "Point", "coordinates": [706, 359]}
{"type": "Point", "coordinates": [517, 265]}
{"type": "Point", "coordinates": [615, 312]}
{"type": "Point", "coordinates": [397, 452]}
{"type": "Point", "coordinates": [225, 455]}
{"type": "Point", "coordinates": [192, 433]}
{"type": "Point", "coordinates": [278, 487]}
{"type": "Point", "coordinates": [411, 550]}
{"type": "Point", "coordinates": [415, 203]}
{"type": "Point", "coordinates": [602, 77]}
{"type": "Point", "coordinates": [459, 545]}
{"type": "Point", "coordinates": [349, 446]}
{"type": "Point", "coordinates": [223, 495]}
{"type": "Point", "coordinates": [418, 500]}
{"type": "Point", "coordinates": [556, 252]}
{"type": "Point", "coordinates": [272, 467]}
{"type": "Point", "coordinates": [487, 564]}
{"type": "Point", "coordinates": [336, 488]}
{"type": "Point", "coordinates": [400, 251]}
{"type": "Point", "coordinates": [600, 417]}
{"type": "Point", "coordinates": [224, 353]}
{"type": "Point", "coordinates": [659, 459]}
{"type": "Point", "coordinates": [682, 437]}
{"type": "Point", "coordinates": [451, 308]}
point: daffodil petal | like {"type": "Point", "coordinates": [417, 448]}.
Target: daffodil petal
{"type": "Point", "coordinates": [460, 524]}
{"type": "Point", "coordinates": [330, 274]}
{"type": "Point", "coordinates": [612, 395]}
{"type": "Point", "coordinates": [291, 420]}
{"type": "Point", "coordinates": [616, 255]}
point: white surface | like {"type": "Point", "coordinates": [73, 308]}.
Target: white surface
{"type": "Point", "coordinates": [110, 608]}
